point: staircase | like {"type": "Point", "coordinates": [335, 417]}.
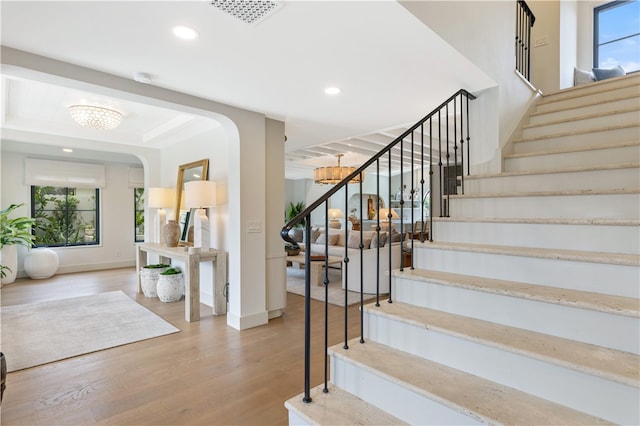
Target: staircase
{"type": "Point", "coordinates": [526, 309]}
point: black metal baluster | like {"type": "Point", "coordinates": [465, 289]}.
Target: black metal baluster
{"type": "Point", "coordinates": [461, 145]}
{"type": "Point", "coordinates": [307, 313]}
{"type": "Point", "coordinates": [413, 197]}
{"type": "Point", "coordinates": [361, 246]}
{"type": "Point", "coordinates": [441, 183]}
{"type": "Point", "coordinates": [431, 179]}
{"type": "Point", "coordinates": [345, 271]}
{"type": "Point", "coordinates": [422, 218]}
{"type": "Point", "coordinates": [455, 141]}
{"type": "Point", "coordinates": [390, 299]}
{"type": "Point", "coordinates": [378, 232]}
{"type": "Point", "coordinates": [468, 152]}
{"type": "Point", "coordinates": [401, 203]}
{"type": "Point", "coordinates": [326, 297]}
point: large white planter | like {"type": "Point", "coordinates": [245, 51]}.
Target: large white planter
{"type": "Point", "coordinates": [9, 258]}
{"type": "Point", "coordinates": [170, 287]}
{"type": "Point", "coordinates": [40, 263]}
{"type": "Point", "coordinates": [149, 280]}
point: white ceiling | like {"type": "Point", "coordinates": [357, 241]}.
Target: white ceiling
{"type": "Point", "coordinates": [391, 68]}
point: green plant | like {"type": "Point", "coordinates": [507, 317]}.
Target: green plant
{"type": "Point", "coordinates": [14, 231]}
{"type": "Point", "coordinates": [171, 271]}
{"type": "Point", "coordinates": [157, 266]}
{"type": "Point", "coordinates": [294, 210]}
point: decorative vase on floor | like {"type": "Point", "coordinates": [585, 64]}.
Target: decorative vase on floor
{"type": "Point", "coordinates": [171, 233]}
{"type": "Point", "coordinates": [40, 263]}
{"type": "Point", "coordinates": [170, 287]}
{"type": "Point", "coordinates": [149, 278]}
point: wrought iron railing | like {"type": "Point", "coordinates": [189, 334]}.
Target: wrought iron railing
{"type": "Point", "coordinates": [433, 146]}
{"type": "Point", "coordinates": [524, 22]}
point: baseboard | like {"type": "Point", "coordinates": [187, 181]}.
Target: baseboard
{"type": "Point", "coordinates": [70, 269]}
{"type": "Point", "coordinates": [250, 321]}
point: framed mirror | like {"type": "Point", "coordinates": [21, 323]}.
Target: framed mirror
{"type": "Point", "coordinates": [197, 170]}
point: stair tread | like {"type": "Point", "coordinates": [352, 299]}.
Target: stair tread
{"type": "Point", "coordinates": [611, 364]}
{"type": "Point", "coordinates": [593, 168]}
{"type": "Point", "coordinates": [577, 132]}
{"type": "Point", "coordinates": [579, 91]}
{"type": "Point", "coordinates": [544, 221]}
{"type": "Point", "coordinates": [339, 408]}
{"type": "Point", "coordinates": [478, 398]}
{"type": "Point", "coordinates": [555, 253]}
{"type": "Point", "coordinates": [582, 117]}
{"type": "Point", "coordinates": [567, 150]}
{"type": "Point", "coordinates": [586, 104]}
{"type": "Point", "coordinates": [612, 191]}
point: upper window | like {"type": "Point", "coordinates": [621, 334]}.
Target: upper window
{"type": "Point", "coordinates": [65, 216]}
{"type": "Point", "coordinates": [616, 35]}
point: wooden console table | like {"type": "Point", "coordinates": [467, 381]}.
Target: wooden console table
{"type": "Point", "coordinates": [317, 265]}
{"type": "Point", "coordinates": [192, 259]}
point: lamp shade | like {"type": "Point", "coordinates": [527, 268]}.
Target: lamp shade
{"type": "Point", "coordinates": [335, 214]}
{"type": "Point", "coordinates": [199, 193]}
{"type": "Point", "coordinates": [384, 214]}
{"type": "Point", "coordinates": [160, 198]}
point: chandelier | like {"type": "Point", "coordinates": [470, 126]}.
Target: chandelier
{"type": "Point", "coordinates": [95, 117]}
{"type": "Point", "coordinates": [335, 174]}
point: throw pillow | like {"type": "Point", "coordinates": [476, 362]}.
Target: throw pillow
{"type": "Point", "coordinates": [322, 239]}
{"type": "Point", "coordinates": [582, 77]}
{"type": "Point", "coordinates": [379, 240]}
{"type": "Point", "coordinates": [354, 241]}
{"type": "Point", "coordinates": [396, 236]}
{"type": "Point", "coordinates": [315, 233]}
{"type": "Point", "coordinates": [604, 73]}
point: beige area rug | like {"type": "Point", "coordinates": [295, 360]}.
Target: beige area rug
{"type": "Point", "coordinates": [39, 333]}
{"type": "Point", "coordinates": [295, 284]}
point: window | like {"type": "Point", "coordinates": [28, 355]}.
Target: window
{"type": "Point", "coordinates": [138, 202]}
{"type": "Point", "coordinates": [65, 216]}
{"type": "Point", "coordinates": [616, 35]}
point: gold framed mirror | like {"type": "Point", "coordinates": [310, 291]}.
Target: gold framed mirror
{"type": "Point", "coordinates": [196, 170]}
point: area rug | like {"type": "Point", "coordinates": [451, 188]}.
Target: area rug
{"type": "Point", "coordinates": [295, 284]}
{"type": "Point", "coordinates": [39, 333]}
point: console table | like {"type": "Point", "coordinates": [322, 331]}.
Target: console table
{"type": "Point", "coordinates": [192, 258]}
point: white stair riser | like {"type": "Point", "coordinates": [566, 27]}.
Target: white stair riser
{"type": "Point", "coordinates": [596, 108]}
{"type": "Point", "coordinates": [603, 278]}
{"type": "Point", "coordinates": [553, 103]}
{"type": "Point", "coordinates": [581, 391]}
{"type": "Point", "coordinates": [391, 396]}
{"type": "Point", "coordinates": [599, 238]}
{"type": "Point", "coordinates": [597, 137]}
{"type": "Point", "coordinates": [582, 325]}
{"type": "Point", "coordinates": [552, 161]}
{"type": "Point", "coordinates": [589, 206]}
{"type": "Point", "coordinates": [296, 420]}
{"type": "Point", "coordinates": [621, 119]}
{"type": "Point", "coordinates": [568, 181]}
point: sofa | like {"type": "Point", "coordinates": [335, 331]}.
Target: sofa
{"type": "Point", "coordinates": [338, 240]}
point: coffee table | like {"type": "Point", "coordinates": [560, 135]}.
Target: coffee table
{"type": "Point", "coordinates": [317, 264]}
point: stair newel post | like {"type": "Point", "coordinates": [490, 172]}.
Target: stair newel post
{"type": "Point", "coordinates": [326, 299]}
{"type": "Point", "coordinates": [345, 271]}
{"type": "Point", "coordinates": [307, 311]}
{"type": "Point", "coordinates": [378, 232]}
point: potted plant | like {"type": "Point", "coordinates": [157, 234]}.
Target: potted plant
{"type": "Point", "coordinates": [13, 232]}
{"type": "Point", "coordinates": [149, 275]}
{"type": "Point", "coordinates": [170, 285]}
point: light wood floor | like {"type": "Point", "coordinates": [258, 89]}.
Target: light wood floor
{"type": "Point", "coordinates": [208, 373]}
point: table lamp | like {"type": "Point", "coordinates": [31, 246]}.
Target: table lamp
{"type": "Point", "coordinates": [200, 194]}
{"type": "Point", "coordinates": [159, 198]}
{"type": "Point", "coordinates": [334, 215]}
{"type": "Point", "coordinates": [383, 214]}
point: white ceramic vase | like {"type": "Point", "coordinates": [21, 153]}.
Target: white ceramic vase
{"type": "Point", "coordinates": [170, 287]}
{"type": "Point", "coordinates": [40, 263]}
{"type": "Point", "coordinates": [9, 258]}
{"type": "Point", "coordinates": [149, 280]}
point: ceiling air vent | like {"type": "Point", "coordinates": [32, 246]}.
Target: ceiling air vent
{"type": "Point", "coordinates": [248, 11]}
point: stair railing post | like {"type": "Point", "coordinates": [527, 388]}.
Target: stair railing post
{"type": "Point", "coordinates": [307, 312]}
{"type": "Point", "coordinates": [378, 232]}
{"type": "Point", "coordinates": [346, 272]}
{"type": "Point", "coordinates": [326, 297]}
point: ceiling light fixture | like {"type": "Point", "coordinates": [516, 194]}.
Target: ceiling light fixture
{"type": "Point", "coordinates": [67, 150]}
{"type": "Point", "coordinates": [185, 33]}
{"type": "Point", "coordinates": [95, 117]}
{"type": "Point", "coordinates": [332, 90]}
{"type": "Point", "coordinates": [335, 174]}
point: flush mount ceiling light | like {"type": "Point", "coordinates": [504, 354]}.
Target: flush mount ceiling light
{"type": "Point", "coordinates": [185, 33]}
{"type": "Point", "coordinates": [248, 11]}
{"type": "Point", "coordinates": [332, 90]}
{"type": "Point", "coordinates": [335, 174]}
{"type": "Point", "coordinates": [95, 117]}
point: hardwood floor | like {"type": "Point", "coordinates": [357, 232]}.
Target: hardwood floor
{"type": "Point", "coordinates": [208, 373]}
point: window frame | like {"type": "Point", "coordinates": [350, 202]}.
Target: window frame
{"type": "Point", "coordinates": [596, 30]}
{"type": "Point", "coordinates": [70, 191]}
{"type": "Point", "coordinates": [135, 214]}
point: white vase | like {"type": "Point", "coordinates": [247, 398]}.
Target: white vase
{"type": "Point", "coordinates": [40, 263]}
{"type": "Point", "coordinates": [149, 280]}
{"type": "Point", "coordinates": [170, 287]}
{"type": "Point", "coordinates": [9, 258]}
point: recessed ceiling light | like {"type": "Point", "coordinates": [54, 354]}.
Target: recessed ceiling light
{"type": "Point", "coordinates": [67, 150]}
{"type": "Point", "coordinates": [185, 33]}
{"type": "Point", "coordinates": [332, 90]}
